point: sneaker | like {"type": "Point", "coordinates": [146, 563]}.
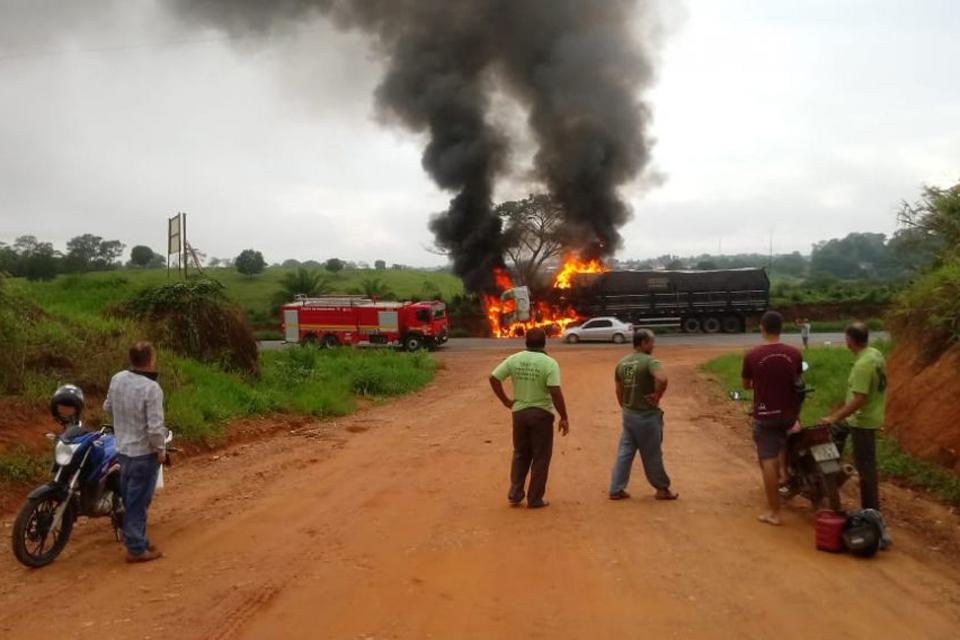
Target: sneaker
{"type": "Point", "coordinates": [538, 505]}
{"type": "Point", "coordinates": [150, 554]}
{"type": "Point", "coordinates": [619, 495]}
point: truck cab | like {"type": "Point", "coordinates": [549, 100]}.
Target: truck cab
{"type": "Point", "coordinates": [424, 324]}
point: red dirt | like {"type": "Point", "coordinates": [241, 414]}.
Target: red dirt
{"type": "Point", "coordinates": [22, 423]}
{"type": "Point", "coordinates": [923, 402]}
{"type": "Point", "coordinates": [393, 523]}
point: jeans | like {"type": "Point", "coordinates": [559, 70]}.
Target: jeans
{"type": "Point", "coordinates": [864, 459]}
{"type": "Point", "coordinates": [642, 432]}
{"type": "Point", "coordinates": [138, 479]}
{"type": "Point", "coordinates": [532, 450]}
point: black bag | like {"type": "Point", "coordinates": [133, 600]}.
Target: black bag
{"type": "Point", "coordinates": [861, 535]}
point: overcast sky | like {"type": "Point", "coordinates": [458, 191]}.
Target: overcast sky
{"type": "Point", "coordinates": [800, 120]}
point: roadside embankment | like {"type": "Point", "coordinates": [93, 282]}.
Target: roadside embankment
{"type": "Point", "coordinates": [923, 404]}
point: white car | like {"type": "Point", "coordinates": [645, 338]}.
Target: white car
{"type": "Point", "coordinates": [603, 329]}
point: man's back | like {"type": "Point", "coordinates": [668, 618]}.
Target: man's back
{"type": "Point", "coordinates": [532, 372]}
{"type": "Point", "coordinates": [635, 373]}
{"type": "Point", "coordinates": [774, 369]}
{"type": "Point", "coordinates": [136, 403]}
{"type": "Point", "coordinates": [868, 377]}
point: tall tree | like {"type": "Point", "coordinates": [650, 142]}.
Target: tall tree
{"type": "Point", "coordinates": [250, 262]}
{"type": "Point", "coordinates": [533, 234]}
{"type": "Point", "coordinates": [91, 253]}
{"type": "Point", "coordinates": [333, 265]}
{"type": "Point", "coordinates": [141, 256]}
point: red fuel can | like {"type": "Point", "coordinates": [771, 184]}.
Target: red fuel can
{"type": "Point", "coordinates": [829, 530]}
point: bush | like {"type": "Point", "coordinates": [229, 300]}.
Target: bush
{"type": "Point", "coordinates": [195, 318]}
{"type": "Point", "coordinates": [928, 312]}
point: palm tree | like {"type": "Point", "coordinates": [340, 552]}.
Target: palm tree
{"type": "Point", "coordinates": [375, 288]}
{"type": "Point", "coordinates": [302, 282]}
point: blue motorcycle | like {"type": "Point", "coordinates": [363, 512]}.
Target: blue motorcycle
{"type": "Point", "coordinates": [86, 482]}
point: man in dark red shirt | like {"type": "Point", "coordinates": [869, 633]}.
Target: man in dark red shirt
{"type": "Point", "coordinates": [772, 371]}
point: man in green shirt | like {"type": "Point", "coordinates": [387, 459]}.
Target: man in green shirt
{"type": "Point", "coordinates": [640, 383]}
{"type": "Point", "coordinates": [536, 391]}
{"type": "Point", "coordinates": [862, 414]}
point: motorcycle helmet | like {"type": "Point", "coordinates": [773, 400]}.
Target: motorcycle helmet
{"type": "Point", "coordinates": [861, 535]}
{"type": "Point", "coordinates": [68, 395]}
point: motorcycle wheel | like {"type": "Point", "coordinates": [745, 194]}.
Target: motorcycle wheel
{"type": "Point", "coordinates": [829, 492]}
{"type": "Point", "coordinates": [35, 543]}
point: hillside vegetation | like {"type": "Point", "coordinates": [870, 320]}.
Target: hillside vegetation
{"type": "Point", "coordinates": [93, 292]}
{"type": "Point", "coordinates": [78, 328]}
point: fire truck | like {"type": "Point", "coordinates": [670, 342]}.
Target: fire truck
{"type": "Point", "coordinates": [359, 321]}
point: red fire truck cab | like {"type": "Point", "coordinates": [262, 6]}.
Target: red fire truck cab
{"type": "Point", "coordinates": [355, 320]}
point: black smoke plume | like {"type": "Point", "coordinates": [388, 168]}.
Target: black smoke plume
{"type": "Point", "coordinates": [575, 64]}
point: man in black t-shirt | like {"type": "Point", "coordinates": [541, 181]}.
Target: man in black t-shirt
{"type": "Point", "coordinates": [772, 371]}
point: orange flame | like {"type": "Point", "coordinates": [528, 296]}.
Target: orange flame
{"type": "Point", "coordinates": [572, 265]}
{"type": "Point", "coordinates": [544, 316]}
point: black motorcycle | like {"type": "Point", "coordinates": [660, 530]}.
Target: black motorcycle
{"type": "Point", "coordinates": [814, 469]}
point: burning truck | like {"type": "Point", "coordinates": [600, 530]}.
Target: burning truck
{"type": "Point", "coordinates": [695, 301]}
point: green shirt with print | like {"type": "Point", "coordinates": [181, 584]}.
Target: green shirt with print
{"type": "Point", "coordinates": [868, 377]}
{"type": "Point", "coordinates": [635, 373]}
{"type": "Point", "coordinates": [531, 372]}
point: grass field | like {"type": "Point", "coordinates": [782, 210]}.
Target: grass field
{"type": "Point", "coordinates": [91, 293]}
{"type": "Point", "coordinates": [829, 368]}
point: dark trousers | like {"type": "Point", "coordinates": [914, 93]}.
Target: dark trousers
{"type": "Point", "coordinates": [138, 479]}
{"type": "Point", "coordinates": [532, 449]}
{"type": "Point", "coordinates": [864, 459]}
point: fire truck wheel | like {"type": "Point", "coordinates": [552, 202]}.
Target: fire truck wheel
{"type": "Point", "coordinates": [711, 325]}
{"type": "Point", "coordinates": [412, 342]}
{"type": "Point", "coordinates": [309, 340]}
{"type": "Point", "coordinates": [691, 325]}
{"type": "Point", "coordinates": [330, 341]}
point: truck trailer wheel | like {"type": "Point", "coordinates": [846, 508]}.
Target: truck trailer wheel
{"type": "Point", "coordinates": [330, 341]}
{"type": "Point", "coordinates": [690, 325]}
{"type": "Point", "coordinates": [732, 324]}
{"type": "Point", "coordinates": [412, 342]}
{"type": "Point", "coordinates": [711, 325]}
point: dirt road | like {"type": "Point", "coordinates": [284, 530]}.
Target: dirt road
{"type": "Point", "coordinates": [393, 523]}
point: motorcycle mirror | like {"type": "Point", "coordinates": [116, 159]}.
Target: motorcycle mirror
{"type": "Point", "coordinates": [169, 437]}
{"type": "Point", "coordinates": [806, 365]}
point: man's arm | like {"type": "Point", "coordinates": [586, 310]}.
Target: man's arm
{"type": "Point", "coordinates": [660, 382]}
{"type": "Point", "coordinates": [557, 396]}
{"type": "Point", "coordinates": [618, 385]}
{"type": "Point", "coordinates": [108, 403]}
{"type": "Point", "coordinates": [497, 386]}
{"type": "Point", "coordinates": [156, 431]}
{"type": "Point", "coordinates": [746, 373]}
{"type": "Point", "coordinates": [847, 410]}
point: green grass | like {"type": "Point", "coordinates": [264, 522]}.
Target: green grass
{"type": "Point", "coordinates": [829, 368]}
{"type": "Point", "coordinates": [56, 332]}
{"type": "Point", "coordinates": [91, 293]}
{"type": "Point", "coordinates": [320, 383]}
{"type": "Point", "coordinates": [20, 466]}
